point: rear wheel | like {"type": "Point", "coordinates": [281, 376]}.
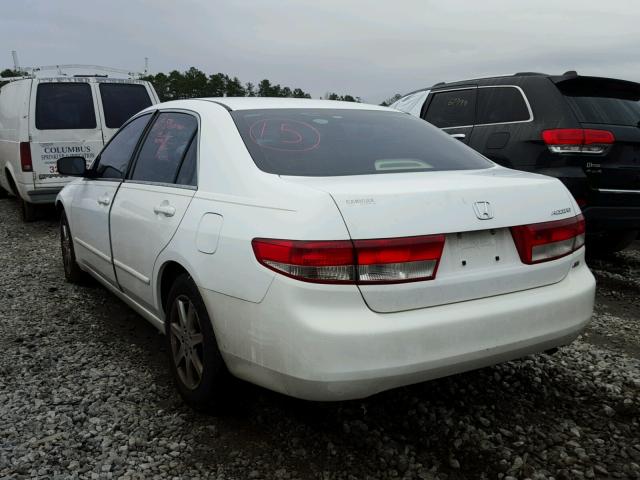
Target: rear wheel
{"type": "Point", "coordinates": [29, 210]}
{"type": "Point", "coordinates": [72, 271]}
{"type": "Point", "coordinates": [3, 193]}
{"type": "Point", "coordinates": [611, 242]}
{"type": "Point", "coordinates": [196, 364]}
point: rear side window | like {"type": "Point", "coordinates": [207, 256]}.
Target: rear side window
{"type": "Point", "coordinates": [335, 142]}
{"type": "Point", "coordinates": [64, 106]}
{"type": "Point", "coordinates": [501, 105]}
{"type": "Point", "coordinates": [455, 108]}
{"type": "Point", "coordinates": [120, 101]}
{"type": "Point", "coordinates": [115, 157]}
{"type": "Point", "coordinates": [165, 148]}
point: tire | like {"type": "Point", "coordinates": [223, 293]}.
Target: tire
{"type": "Point", "coordinates": [610, 242]}
{"type": "Point", "coordinates": [72, 271]}
{"type": "Point", "coordinates": [3, 193]}
{"type": "Point", "coordinates": [194, 358]}
{"type": "Point", "coordinates": [29, 210]}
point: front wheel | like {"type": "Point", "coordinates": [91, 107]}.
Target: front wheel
{"type": "Point", "coordinates": [72, 271]}
{"type": "Point", "coordinates": [196, 364]}
{"type": "Point", "coordinates": [611, 242]}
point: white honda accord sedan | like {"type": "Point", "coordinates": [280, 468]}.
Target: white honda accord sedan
{"type": "Point", "coordinates": [322, 249]}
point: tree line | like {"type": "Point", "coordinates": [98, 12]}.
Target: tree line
{"type": "Point", "coordinates": [194, 83]}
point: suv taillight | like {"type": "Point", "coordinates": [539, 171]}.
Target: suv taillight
{"type": "Point", "coordinates": [393, 260]}
{"type": "Point", "coordinates": [541, 242]}
{"type": "Point", "coordinates": [577, 140]}
{"type": "Point", "coordinates": [25, 157]}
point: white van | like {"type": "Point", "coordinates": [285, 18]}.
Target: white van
{"type": "Point", "coordinates": [43, 119]}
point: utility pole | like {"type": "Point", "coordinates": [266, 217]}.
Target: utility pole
{"type": "Point", "coordinates": [146, 65]}
{"type": "Point", "coordinates": [16, 63]}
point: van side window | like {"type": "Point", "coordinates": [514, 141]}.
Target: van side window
{"type": "Point", "coordinates": [115, 157]}
{"type": "Point", "coordinates": [455, 108]}
{"type": "Point", "coordinates": [501, 105]}
{"type": "Point", "coordinates": [120, 101]}
{"type": "Point", "coordinates": [165, 147]}
{"type": "Point", "coordinates": [64, 106]}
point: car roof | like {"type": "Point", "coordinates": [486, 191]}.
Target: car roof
{"type": "Point", "coordinates": [260, 103]}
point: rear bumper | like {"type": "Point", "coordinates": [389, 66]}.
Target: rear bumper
{"type": "Point", "coordinates": [42, 195]}
{"type": "Point", "coordinates": [323, 343]}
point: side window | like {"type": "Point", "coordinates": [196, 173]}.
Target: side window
{"type": "Point", "coordinates": [189, 167]}
{"type": "Point", "coordinates": [501, 105]}
{"type": "Point", "coordinates": [165, 148]}
{"type": "Point", "coordinates": [455, 108]}
{"type": "Point", "coordinates": [115, 157]}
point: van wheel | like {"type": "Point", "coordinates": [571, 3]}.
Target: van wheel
{"type": "Point", "coordinates": [196, 364]}
{"type": "Point", "coordinates": [29, 210]}
{"type": "Point", "coordinates": [610, 242]}
{"type": "Point", "coordinates": [72, 271]}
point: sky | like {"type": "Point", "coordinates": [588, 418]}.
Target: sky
{"type": "Point", "coordinates": [367, 48]}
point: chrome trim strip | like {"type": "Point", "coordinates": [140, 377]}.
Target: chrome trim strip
{"type": "Point", "coordinates": [526, 101]}
{"type": "Point", "coordinates": [93, 250]}
{"type": "Point", "coordinates": [614, 190]}
{"type": "Point", "coordinates": [132, 272]}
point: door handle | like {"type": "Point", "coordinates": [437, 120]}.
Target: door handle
{"type": "Point", "coordinates": [459, 136]}
{"type": "Point", "coordinates": [164, 209]}
{"type": "Point", "coordinates": [104, 200]}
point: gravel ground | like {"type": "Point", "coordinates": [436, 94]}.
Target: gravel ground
{"type": "Point", "coordinates": [85, 393]}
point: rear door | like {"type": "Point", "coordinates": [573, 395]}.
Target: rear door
{"type": "Point", "coordinates": [613, 105]}
{"type": "Point", "coordinates": [503, 115]}
{"type": "Point", "coordinates": [453, 111]}
{"type": "Point", "coordinates": [63, 122]}
{"type": "Point", "coordinates": [151, 203]}
{"type": "Point", "coordinates": [118, 101]}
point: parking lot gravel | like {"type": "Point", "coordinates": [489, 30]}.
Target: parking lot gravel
{"type": "Point", "coordinates": [85, 393]}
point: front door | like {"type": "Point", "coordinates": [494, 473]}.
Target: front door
{"type": "Point", "coordinates": [152, 201]}
{"type": "Point", "coordinates": [94, 199]}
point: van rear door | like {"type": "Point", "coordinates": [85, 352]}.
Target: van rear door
{"type": "Point", "coordinates": [62, 122]}
{"type": "Point", "coordinates": [120, 100]}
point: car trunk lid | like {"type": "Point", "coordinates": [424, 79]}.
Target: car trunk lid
{"type": "Point", "coordinates": [474, 209]}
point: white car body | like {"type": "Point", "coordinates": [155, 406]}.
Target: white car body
{"type": "Point", "coordinates": [325, 341]}
{"type": "Point", "coordinates": [38, 181]}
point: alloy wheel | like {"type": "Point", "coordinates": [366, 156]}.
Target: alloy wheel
{"type": "Point", "coordinates": [186, 342]}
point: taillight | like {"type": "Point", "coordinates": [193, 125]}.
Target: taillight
{"type": "Point", "coordinates": [25, 157]}
{"type": "Point", "coordinates": [395, 260]}
{"type": "Point", "coordinates": [541, 242]}
{"type": "Point", "coordinates": [577, 140]}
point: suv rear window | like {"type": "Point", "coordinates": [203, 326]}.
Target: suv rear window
{"type": "Point", "coordinates": [602, 100]}
{"type": "Point", "coordinates": [64, 106]}
{"type": "Point", "coordinates": [336, 142]}
{"type": "Point", "coordinates": [121, 101]}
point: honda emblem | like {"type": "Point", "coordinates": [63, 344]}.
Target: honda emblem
{"type": "Point", "coordinates": [483, 210]}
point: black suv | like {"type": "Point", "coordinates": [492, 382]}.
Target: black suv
{"type": "Point", "coordinates": [583, 130]}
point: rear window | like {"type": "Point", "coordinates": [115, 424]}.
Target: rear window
{"type": "Point", "coordinates": [335, 142]}
{"type": "Point", "coordinates": [604, 101]}
{"type": "Point", "coordinates": [120, 101]}
{"type": "Point", "coordinates": [64, 106]}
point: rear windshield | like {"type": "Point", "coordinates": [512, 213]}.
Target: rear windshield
{"type": "Point", "coordinates": [64, 106]}
{"type": "Point", "coordinates": [120, 101]}
{"type": "Point", "coordinates": [604, 101]}
{"type": "Point", "coordinates": [328, 142]}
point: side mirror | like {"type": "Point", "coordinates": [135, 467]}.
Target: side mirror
{"type": "Point", "coordinates": [72, 166]}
